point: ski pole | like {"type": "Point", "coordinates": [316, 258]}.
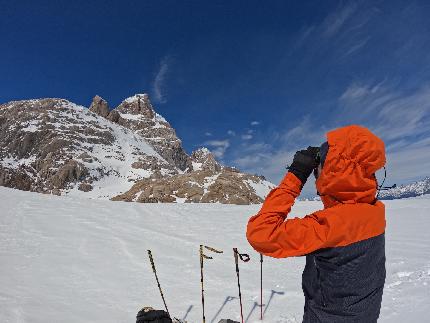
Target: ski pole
{"type": "Point", "coordinates": [156, 277]}
{"type": "Point", "coordinates": [261, 286]}
{"type": "Point", "coordinates": [203, 256]}
{"type": "Point", "coordinates": [201, 281]}
{"type": "Point", "coordinates": [244, 257]}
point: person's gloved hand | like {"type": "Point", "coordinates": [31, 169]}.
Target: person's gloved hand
{"type": "Point", "coordinates": [304, 163]}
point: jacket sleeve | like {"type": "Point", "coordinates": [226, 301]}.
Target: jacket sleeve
{"type": "Point", "coordinates": [269, 233]}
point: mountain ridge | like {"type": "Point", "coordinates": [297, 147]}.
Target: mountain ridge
{"type": "Point", "coordinates": [417, 188]}
{"type": "Point", "coordinates": [54, 146]}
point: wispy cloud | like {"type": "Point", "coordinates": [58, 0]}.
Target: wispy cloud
{"type": "Point", "coordinates": [263, 160]}
{"type": "Point", "coordinates": [334, 22]}
{"type": "Point", "coordinates": [303, 36]}
{"type": "Point", "coordinates": [341, 34]}
{"type": "Point", "coordinates": [159, 80]}
{"type": "Point", "coordinates": [304, 134]}
{"type": "Point", "coordinates": [270, 156]}
{"type": "Point", "coordinates": [257, 147]}
{"type": "Point", "coordinates": [208, 134]}
{"type": "Point", "coordinates": [272, 164]}
{"type": "Point", "coordinates": [231, 133]}
{"type": "Point", "coordinates": [354, 92]}
{"type": "Point", "coordinates": [401, 119]}
{"type": "Point", "coordinates": [392, 114]}
{"type": "Point", "coordinates": [246, 136]}
{"type": "Point", "coordinates": [411, 162]}
{"type": "Point", "coordinates": [356, 46]}
{"type": "Point", "coordinates": [219, 147]}
{"type": "Point", "coordinates": [255, 123]}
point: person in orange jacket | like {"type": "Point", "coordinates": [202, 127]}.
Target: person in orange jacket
{"type": "Point", "coordinates": [344, 243]}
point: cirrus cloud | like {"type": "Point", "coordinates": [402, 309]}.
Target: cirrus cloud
{"type": "Point", "coordinates": [159, 80]}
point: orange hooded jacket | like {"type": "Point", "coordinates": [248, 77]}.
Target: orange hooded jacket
{"type": "Point", "coordinates": [347, 186]}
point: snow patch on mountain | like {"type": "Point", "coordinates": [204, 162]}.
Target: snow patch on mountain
{"type": "Point", "coordinates": [103, 151]}
{"type": "Point", "coordinates": [112, 164]}
{"type": "Point", "coordinates": [262, 188]}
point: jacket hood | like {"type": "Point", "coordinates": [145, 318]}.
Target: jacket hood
{"type": "Point", "coordinates": [348, 174]}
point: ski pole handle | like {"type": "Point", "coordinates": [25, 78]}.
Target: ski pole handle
{"type": "Point", "coordinates": [236, 260]}
{"type": "Point", "coordinates": [151, 260]}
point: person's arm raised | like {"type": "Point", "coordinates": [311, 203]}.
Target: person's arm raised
{"type": "Point", "coordinates": [268, 232]}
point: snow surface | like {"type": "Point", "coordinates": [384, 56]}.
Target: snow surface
{"type": "Point", "coordinates": [65, 259]}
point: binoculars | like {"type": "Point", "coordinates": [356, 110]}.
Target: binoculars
{"type": "Point", "coordinates": [315, 153]}
{"type": "Point", "coordinates": [319, 154]}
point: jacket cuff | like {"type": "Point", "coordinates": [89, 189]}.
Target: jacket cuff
{"type": "Point", "coordinates": [292, 182]}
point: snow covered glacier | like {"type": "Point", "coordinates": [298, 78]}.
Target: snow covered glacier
{"type": "Point", "coordinates": [80, 260]}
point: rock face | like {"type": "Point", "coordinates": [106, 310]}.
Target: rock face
{"type": "Point", "coordinates": [202, 159]}
{"type": "Point", "coordinates": [100, 107]}
{"type": "Point", "coordinates": [130, 153]}
{"type": "Point", "coordinates": [137, 114]}
{"type": "Point", "coordinates": [53, 146]}
{"type": "Point", "coordinates": [35, 148]}
{"type": "Point", "coordinates": [200, 186]}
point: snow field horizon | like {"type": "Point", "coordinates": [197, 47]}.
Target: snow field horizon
{"type": "Point", "coordinates": [83, 260]}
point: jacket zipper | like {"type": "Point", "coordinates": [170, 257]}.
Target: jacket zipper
{"type": "Point", "coordinates": [320, 285]}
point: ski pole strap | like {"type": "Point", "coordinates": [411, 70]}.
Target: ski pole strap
{"type": "Point", "coordinates": [213, 249]}
{"type": "Point", "coordinates": [243, 256]}
{"type": "Point", "coordinates": [210, 249]}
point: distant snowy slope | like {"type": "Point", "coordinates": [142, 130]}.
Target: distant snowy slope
{"type": "Point", "coordinates": [65, 259]}
{"type": "Point", "coordinates": [415, 189]}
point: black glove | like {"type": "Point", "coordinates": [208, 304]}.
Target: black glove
{"type": "Point", "coordinates": [304, 162]}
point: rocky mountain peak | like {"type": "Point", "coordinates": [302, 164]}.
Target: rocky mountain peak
{"type": "Point", "coordinates": [99, 106]}
{"type": "Point", "coordinates": [203, 159]}
{"type": "Point", "coordinates": [55, 146]}
{"type": "Point", "coordinates": [201, 152]}
{"type": "Point", "coordinates": [138, 104]}
{"type": "Point", "coordinates": [138, 114]}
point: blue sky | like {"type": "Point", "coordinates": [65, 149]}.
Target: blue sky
{"type": "Point", "coordinates": [252, 80]}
